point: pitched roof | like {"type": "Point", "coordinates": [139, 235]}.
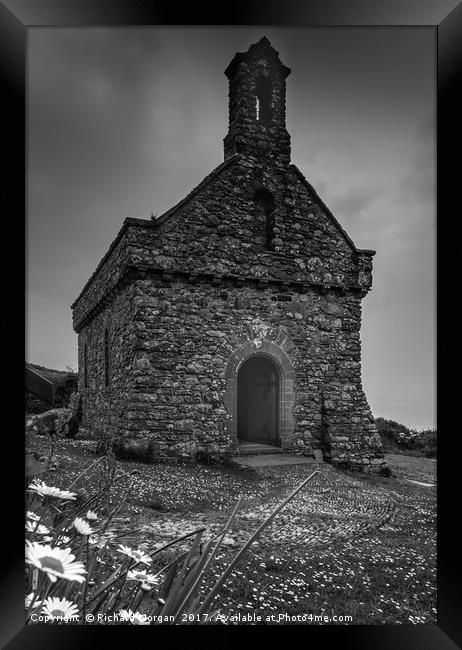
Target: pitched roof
{"type": "Point", "coordinates": [164, 217]}
{"type": "Point", "coordinates": [153, 222]}
{"type": "Point", "coordinates": [324, 207]}
{"type": "Point", "coordinates": [263, 47]}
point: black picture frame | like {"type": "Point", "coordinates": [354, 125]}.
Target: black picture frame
{"type": "Point", "coordinates": [445, 17]}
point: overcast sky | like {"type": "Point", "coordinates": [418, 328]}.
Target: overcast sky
{"type": "Point", "coordinates": [126, 121]}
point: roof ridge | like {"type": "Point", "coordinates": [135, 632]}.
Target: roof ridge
{"type": "Point", "coordinates": [166, 215]}
{"type": "Point", "coordinates": [152, 223]}
{"type": "Point", "coordinates": [330, 213]}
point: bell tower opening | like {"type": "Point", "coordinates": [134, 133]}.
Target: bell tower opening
{"type": "Point", "coordinates": [263, 91]}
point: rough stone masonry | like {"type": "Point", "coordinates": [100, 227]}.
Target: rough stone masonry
{"type": "Point", "coordinates": [236, 314]}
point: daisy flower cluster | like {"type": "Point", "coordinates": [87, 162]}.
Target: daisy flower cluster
{"type": "Point", "coordinates": [75, 563]}
{"type": "Point", "coordinates": [147, 580]}
{"type": "Point", "coordinates": [135, 554]}
{"type": "Point", "coordinates": [53, 609]}
{"type": "Point", "coordinates": [42, 490]}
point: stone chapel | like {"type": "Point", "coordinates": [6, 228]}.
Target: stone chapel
{"type": "Point", "coordinates": [232, 322]}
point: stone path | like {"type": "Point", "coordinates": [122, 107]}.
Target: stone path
{"type": "Point", "coordinates": [331, 508]}
{"type": "Point", "coordinates": [411, 480]}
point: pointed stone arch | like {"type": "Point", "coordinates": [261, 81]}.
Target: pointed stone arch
{"type": "Point", "coordinates": [286, 396]}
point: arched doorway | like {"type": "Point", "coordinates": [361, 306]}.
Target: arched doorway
{"type": "Point", "coordinates": [258, 401]}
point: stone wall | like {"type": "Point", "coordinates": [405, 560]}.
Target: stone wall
{"type": "Point", "coordinates": [213, 231]}
{"type": "Point", "coordinates": [106, 278]}
{"type": "Point", "coordinates": [178, 288]}
{"type": "Point", "coordinates": [171, 382]}
{"type": "Point", "coordinates": [103, 407]}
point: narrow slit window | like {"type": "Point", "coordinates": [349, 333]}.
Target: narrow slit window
{"type": "Point", "coordinates": [264, 204]}
{"type": "Point", "coordinates": [106, 357]}
{"type": "Point", "coordinates": [263, 92]}
{"type": "Point", "coordinates": [85, 366]}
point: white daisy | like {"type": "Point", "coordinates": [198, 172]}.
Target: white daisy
{"type": "Point", "coordinates": [32, 516]}
{"type": "Point", "coordinates": [92, 516]}
{"type": "Point", "coordinates": [60, 609]}
{"type": "Point", "coordinates": [55, 562]}
{"type": "Point", "coordinates": [29, 599]}
{"type": "Point", "coordinates": [125, 614]}
{"type": "Point", "coordinates": [31, 527]}
{"type": "Point", "coordinates": [134, 617]}
{"type": "Point", "coordinates": [82, 526]}
{"type": "Point", "coordinates": [137, 555]}
{"type": "Point", "coordinates": [141, 576]}
{"type": "Point", "coordinates": [63, 540]}
{"type": "Point", "coordinates": [49, 491]}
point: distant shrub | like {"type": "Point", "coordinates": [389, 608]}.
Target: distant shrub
{"type": "Point", "coordinates": [75, 406]}
{"type": "Point", "coordinates": [62, 422]}
{"type": "Point", "coordinates": [398, 438]}
{"type": "Point", "coordinates": [35, 405]}
{"type": "Point", "coordinates": [64, 389]}
{"type": "Point", "coordinates": [429, 442]}
{"type": "Point", "coordinates": [66, 383]}
{"type": "Point", "coordinates": [104, 442]}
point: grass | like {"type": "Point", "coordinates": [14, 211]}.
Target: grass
{"type": "Point", "coordinates": [420, 469]}
{"type": "Point", "coordinates": [352, 545]}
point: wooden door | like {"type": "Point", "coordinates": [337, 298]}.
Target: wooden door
{"type": "Point", "coordinates": [257, 401]}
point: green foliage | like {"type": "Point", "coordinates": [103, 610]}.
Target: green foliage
{"type": "Point", "coordinates": [75, 406]}
{"type": "Point", "coordinates": [66, 383]}
{"type": "Point", "coordinates": [62, 422]}
{"type": "Point", "coordinates": [398, 438]}
{"type": "Point", "coordinates": [429, 442]}
{"type": "Point", "coordinates": [104, 442]}
{"type": "Point", "coordinates": [34, 405]}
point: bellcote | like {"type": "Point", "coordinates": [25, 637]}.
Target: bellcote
{"type": "Point", "coordinates": [257, 105]}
